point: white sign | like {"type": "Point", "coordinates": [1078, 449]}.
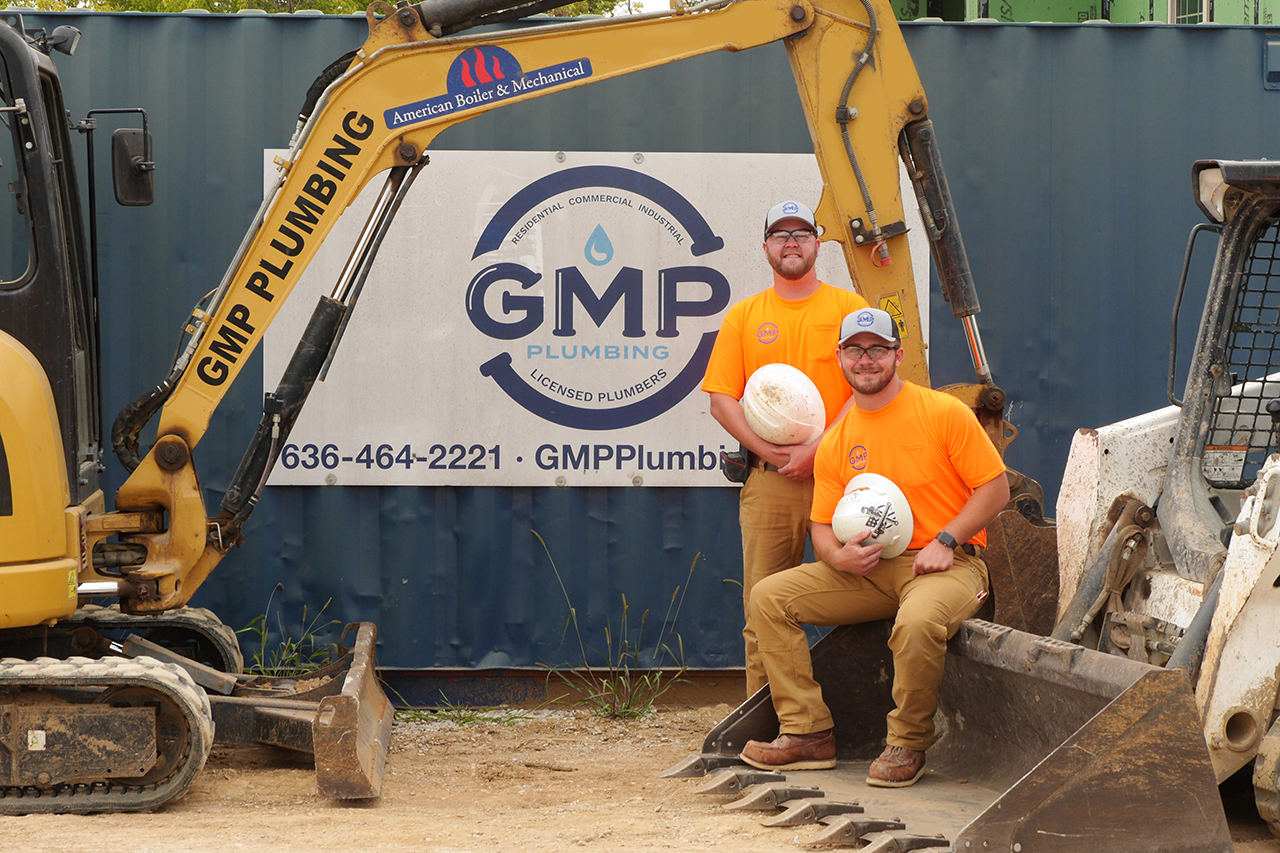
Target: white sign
{"type": "Point", "coordinates": [539, 319]}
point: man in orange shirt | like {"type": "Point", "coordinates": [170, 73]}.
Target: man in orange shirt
{"type": "Point", "coordinates": [932, 447]}
{"type": "Point", "coordinates": [793, 322]}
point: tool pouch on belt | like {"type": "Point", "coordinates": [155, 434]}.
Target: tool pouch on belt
{"type": "Point", "coordinates": [733, 464]}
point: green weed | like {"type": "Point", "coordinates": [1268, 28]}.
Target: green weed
{"type": "Point", "coordinates": [622, 689]}
{"type": "Point", "coordinates": [462, 715]}
{"type": "Point", "coordinates": [291, 656]}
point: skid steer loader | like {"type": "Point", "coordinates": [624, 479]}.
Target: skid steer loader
{"type": "Point", "coordinates": [1102, 717]}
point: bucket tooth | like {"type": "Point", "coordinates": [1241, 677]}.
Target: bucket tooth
{"type": "Point", "coordinates": [811, 811]}
{"type": "Point", "coordinates": [902, 842]}
{"type": "Point", "coordinates": [694, 766]}
{"type": "Point", "coordinates": [772, 795]}
{"type": "Point", "coordinates": [848, 831]}
{"type": "Point", "coordinates": [734, 780]}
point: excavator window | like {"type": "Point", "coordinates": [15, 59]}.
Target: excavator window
{"type": "Point", "coordinates": [15, 223]}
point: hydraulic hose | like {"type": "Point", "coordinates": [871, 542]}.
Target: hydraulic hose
{"type": "Point", "coordinates": [133, 417]}
{"type": "Point", "coordinates": [843, 116]}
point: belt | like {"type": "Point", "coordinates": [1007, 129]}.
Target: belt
{"type": "Point", "coordinates": [971, 550]}
{"type": "Point", "coordinates": [757, 462]}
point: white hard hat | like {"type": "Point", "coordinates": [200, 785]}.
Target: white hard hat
{"type": "Point", "coordinates": [783, 405]}
{"type": "Point", "coordinates": [872, 501]}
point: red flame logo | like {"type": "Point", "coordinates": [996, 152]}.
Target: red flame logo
{"type": "Point", "coordinates": [482, 74]}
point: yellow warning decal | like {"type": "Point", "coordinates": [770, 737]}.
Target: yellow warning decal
{"type": "Point", "coordinates": [891, 304]}
{"type": "Point", "coordinates": [71, 583]}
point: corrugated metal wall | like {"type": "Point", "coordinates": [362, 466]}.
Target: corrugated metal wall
{"type": "Point", "coordinates": [1068, 151]}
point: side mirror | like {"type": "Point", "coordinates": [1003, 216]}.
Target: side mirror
{"type": "Point", "coordinates": [64, 40]}
{"type": "Point", "coordinates": [132, 168]}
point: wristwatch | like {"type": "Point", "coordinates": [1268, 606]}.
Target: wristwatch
{"type": "Point", "coordinates": [947, 539]}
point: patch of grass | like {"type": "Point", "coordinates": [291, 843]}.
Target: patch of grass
{"type": "Point", "coordinates": [291, 656]}
{"type": "Point", "coordinates": [621, 688]}
{"type": "Point", "coordinates": [462, 715]}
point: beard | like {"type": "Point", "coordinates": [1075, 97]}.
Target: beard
{"type": "Point", "coordinates": [793, 267]}
{"type": "Point", "coordinates": [868, 383]}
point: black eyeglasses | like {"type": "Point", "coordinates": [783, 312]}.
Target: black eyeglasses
{"type": "Point", "coordinates": [803, 237]}
{"type": "Point", "coordinates": [857, 352]}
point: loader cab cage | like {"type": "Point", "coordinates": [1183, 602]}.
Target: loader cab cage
{"type": "Point", "coordinates": [1241, 431]}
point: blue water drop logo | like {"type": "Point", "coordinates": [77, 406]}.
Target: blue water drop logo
{"type": "Point", "coordinates": [599, 250]}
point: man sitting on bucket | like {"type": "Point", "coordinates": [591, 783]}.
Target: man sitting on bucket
{"type": "Point", "coordinates": [931, 446]}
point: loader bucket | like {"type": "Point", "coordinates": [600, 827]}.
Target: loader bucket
{"type": "Point", "coordinates": [339, 713]}
{"type": "Point", "coordinates": [1042, 745]}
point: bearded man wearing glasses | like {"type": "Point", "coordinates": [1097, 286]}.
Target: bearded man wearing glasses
{"type": "Point", "coordinates": [929, 446]}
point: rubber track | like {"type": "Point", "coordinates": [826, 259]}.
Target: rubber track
{"type": "Point", "coordinates": [109, 795]}
{"type": "Point", "coordinates": [198, 620]}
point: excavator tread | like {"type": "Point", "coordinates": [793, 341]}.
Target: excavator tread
{"type": "Point", "coordinates": [199, 620]}
{"type": "Point", "coordinates": [80, 674]}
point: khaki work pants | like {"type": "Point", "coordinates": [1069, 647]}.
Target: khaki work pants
{"type": "Point", "coordinates": [926, 610]}
{"type": "Point", "coordinates": [773, 512]}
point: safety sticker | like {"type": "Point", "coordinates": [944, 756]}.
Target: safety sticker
{"type": "Point", "coordinates": [891, 304]}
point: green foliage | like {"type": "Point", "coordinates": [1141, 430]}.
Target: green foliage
{"type": "Point", "coordinates": [594, 7]}
{"type": "Point", "coordinates": [42, 5]}
{"type": "Point", "coordinates": [462, 715]}
{"type": "Point", "coordinates": [290, 657]}
{"type": "Point", "coordinates": [621, 688]}
{"type": "Point", "coordinates": [328, 7]}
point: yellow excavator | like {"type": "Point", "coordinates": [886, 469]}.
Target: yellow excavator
{"type": "Point", "coordinates": [1046, 744]}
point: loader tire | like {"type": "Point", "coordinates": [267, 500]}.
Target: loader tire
{"type": "Point", "coordinates": [1266, 785]}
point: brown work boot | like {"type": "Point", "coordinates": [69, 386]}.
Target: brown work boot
{"type": "Point", "coordinates": [897, 767]}
{"type": "Point", "coordinates": [815, 751]}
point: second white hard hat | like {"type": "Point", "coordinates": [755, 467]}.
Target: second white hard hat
{"type": "Point", "coordinates": [874, 502]}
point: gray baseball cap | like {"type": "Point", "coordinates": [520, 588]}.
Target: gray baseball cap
{"type": "Point", "coordinates": [789, 210]}
{"type": "Point", "coordinates": [872, 320]}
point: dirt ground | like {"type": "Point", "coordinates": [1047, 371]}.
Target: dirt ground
{"type": "Point", "coordinates": [556, 781]}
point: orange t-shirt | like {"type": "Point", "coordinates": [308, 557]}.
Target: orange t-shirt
{"type": "Point", "coordinates": [929, 443]}
{"type": "Point", "coordinates": [767, 329]}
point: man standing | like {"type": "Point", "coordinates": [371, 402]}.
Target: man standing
{"type": "Point", "coordinates": [930, 445]}
{"type": "Point", "coordinates": [792, 323]}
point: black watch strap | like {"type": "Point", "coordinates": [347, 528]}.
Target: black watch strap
{"type": "Point", "coordinates": [947, 539]}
